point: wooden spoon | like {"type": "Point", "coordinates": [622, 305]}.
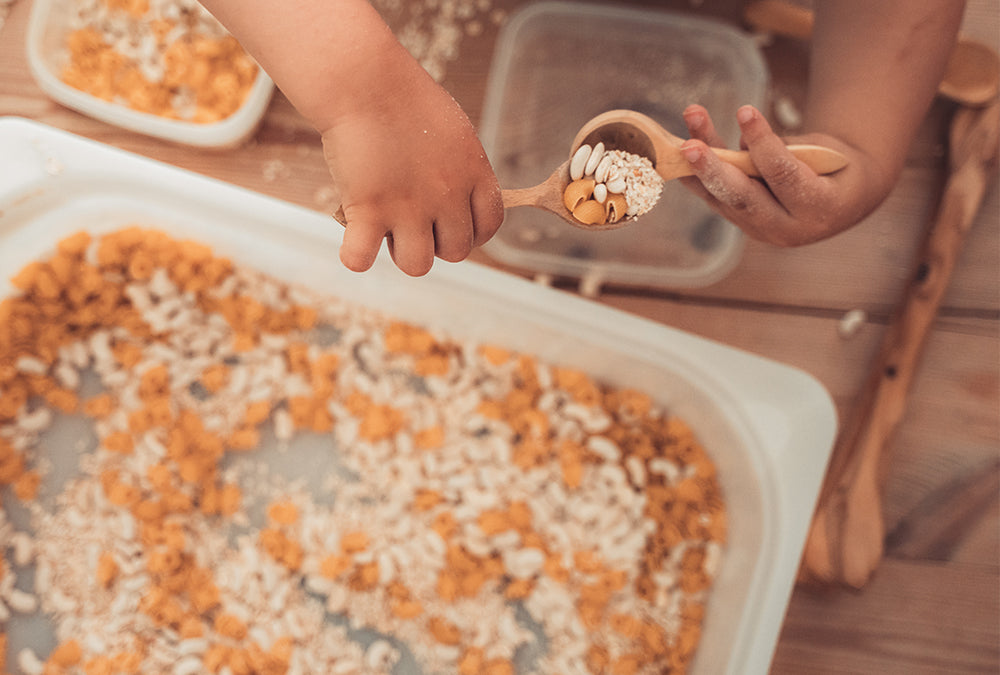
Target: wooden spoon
{"type": "Point", "coordinates": [972, 77]}
{"type": "Point", "coordinates": [846, 538]}
{"type": "Point", "coordinates": [641, 135]}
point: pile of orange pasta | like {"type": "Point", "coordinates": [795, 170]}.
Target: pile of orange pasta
{"type": "Point", "coordinates": [173, 60]}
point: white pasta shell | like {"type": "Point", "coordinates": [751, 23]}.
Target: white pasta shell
{"type": "Point", "coordinates": [596, 155]}
{"type": "Point", "coordinates": [579, 162]}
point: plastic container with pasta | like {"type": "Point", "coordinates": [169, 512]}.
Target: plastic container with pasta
{"type": "Point", "coordinates": [164, 68]}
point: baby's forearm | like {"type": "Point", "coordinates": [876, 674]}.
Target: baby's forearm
{"type": "Point", "coordinates": [323, 54]}
{"type": "Point", "coordinates": [875, 66]}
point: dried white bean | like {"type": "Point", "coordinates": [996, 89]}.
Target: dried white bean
{"type": "Point", "coordinates": [284, 427]}
{"type": "Point", "coordinates": [23, 547]}
{"type": "Point", "coordinates": [30, 365]}
{"type": "Point", "coordinates": [617, 186]}
{"type": "Point", "coordinates": [851, 323]}
{"type": "Point", "coordinates": [603, 167]}
{"type": "Point", "coordinates": [190, 646]}
{"type": "Point", "coordinates": [596, 155]}
{"type": "Point", "coordinates": [29, 662]}
{"type": "Point", "coordinates": [21, 602]}
{"type": "Point", "coordinates": [524, 563]}
{"type": "Point", "coordinates": [787, 113]}
{"type": "Point", "coordinates": [579, 162]}
{"type": "Point", "coordinates": [189, 665]}
{"type": "Point", "coordinates": [67, 375]}
{"type": "Point", "coordinates": [318, 584]}
{"type": "Point", "coordinates": [35, 421]}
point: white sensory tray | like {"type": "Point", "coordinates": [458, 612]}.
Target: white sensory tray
{"type": "Point", "coordinates": [768, 427]}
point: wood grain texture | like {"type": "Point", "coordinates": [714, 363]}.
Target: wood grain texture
{"type": "Point", "coordinates": [932, 606]}
{"type": "Point", "coordinates": [846, 541]}
{"type": "Point", "coordinates": [901, 624]}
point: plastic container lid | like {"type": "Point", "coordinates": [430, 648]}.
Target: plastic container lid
{"type": "Point", "coordinates": [557, 64]}
{"type": "Point", "coordinates": [48, 27]}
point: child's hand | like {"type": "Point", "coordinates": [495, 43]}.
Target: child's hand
{"type": "Point", "coordinates": [789, 205]}
{"type": "Point", "coordinates": [409, 168]}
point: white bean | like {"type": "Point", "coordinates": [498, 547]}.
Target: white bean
{"type": "Point", "coordinates": [579, 162]}
{"type": "Point", "coordinates": [24, 548]}
{"type": "Point", "coordinates": [191, 646]}
{"type": "Point", "coordinates": [851, 323]}
{"type": "Point", "coordinates": [37, 420]}
{"type": "Point", "coordinates": [31, 365]}
{"type": "Point", "coordinates": [596, 155]}
{"type": "Point", "coordinates": [29, 662]}
{"type": "Point", "coordinates": [603, 168]}
{"type": "Point", "coordinates": [189, 665]}
{"type": "Point", "coordinates": [524, 563]}
{"type": "Point", "coordinates": [21, 602]}
{"type": "Point", "coordinates": [617, 186]}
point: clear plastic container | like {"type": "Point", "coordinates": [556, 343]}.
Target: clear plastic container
{"type": "Point", "coordinates": [48, 27]}
{"type": "Point", "coordinates": [768, 427]}
{"type": "Point", "coordinates": [557, 64]}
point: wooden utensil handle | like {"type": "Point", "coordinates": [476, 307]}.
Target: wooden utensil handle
{"type": "Point", "coordinates": [780, 17]}
{"type": "Point", "coordinates": [845, 543]}
{"type": "Point", "coordinates": [820, 159]}
{"type": "Point", "coordinates": [519, 197]}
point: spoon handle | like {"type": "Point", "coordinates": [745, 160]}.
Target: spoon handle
{"type": "Point", "coordinates": [818, 158]}
{"type": "Point", "coordinates": [520, 196]}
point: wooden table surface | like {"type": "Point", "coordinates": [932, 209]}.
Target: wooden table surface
{"type": "Point", "coordinates": [933, 606]}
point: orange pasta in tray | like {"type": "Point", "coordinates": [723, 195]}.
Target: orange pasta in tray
{"type": "Point", "coordinates": [479, 509]}
{"type": "Point", "coordinates": [163, 57]}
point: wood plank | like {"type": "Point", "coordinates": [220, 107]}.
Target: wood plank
{"type": "Point", "coordinates": [913, 618]}
{"type": "Point", "coordinates": [935, 528]}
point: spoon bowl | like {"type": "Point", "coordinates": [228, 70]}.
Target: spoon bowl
{"type": "Point", "coordinates": [639, 134]}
